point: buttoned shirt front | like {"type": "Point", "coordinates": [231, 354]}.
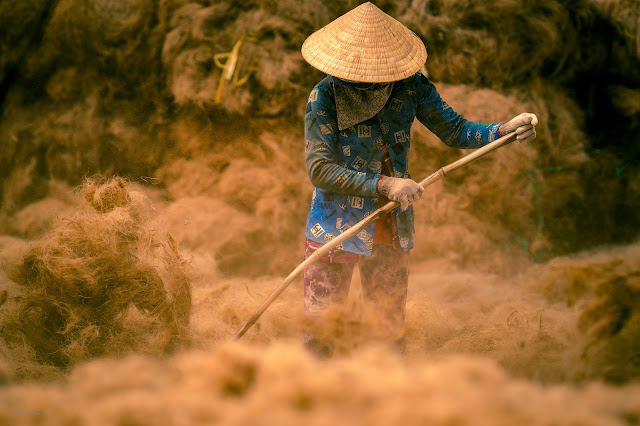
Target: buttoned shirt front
{"type": "Point", "coordinates": [345, 165]}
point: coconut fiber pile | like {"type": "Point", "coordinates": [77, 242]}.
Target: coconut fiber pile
{"type": "Point", "coordinates": [101, 282]}
{"type": "Point", "coordinates": [523, 304]}
{"type": "Point", "coordinates": [143, 90]}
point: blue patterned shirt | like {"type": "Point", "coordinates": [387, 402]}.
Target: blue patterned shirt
{"type": "Point", "coordinates": [345, 165]}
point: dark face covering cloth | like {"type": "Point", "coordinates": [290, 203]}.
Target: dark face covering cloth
{"type": "Point", "coordinates": [357, 102]}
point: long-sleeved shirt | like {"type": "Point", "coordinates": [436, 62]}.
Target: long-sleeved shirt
{"type": "Point", "coordinates": [345, 165]}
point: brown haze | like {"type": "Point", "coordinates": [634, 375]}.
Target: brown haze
{"type": "Point", "coordinates": [142, 222]}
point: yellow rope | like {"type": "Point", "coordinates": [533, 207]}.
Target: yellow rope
{"type": "Point", "coordinates": [230, 70]}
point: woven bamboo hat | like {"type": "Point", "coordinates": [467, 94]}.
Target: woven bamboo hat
{"type": "Point", "coordinates": [365, 45]}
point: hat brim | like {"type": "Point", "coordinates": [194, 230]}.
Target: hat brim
{"type": "Point", "coordinates": [365, 45]}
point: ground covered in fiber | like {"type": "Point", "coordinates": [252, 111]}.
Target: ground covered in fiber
{"type": "Point", "coordinates": [148, 206]}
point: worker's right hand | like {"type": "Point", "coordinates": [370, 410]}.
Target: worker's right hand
{"type": "Point", "coordinates": [404, 191]}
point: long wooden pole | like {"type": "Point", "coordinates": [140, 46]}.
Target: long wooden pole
{"type": "Point", "coordinates": [441, 173]}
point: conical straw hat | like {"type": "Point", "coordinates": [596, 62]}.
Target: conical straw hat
{"type": "Point", "coordinates": [365, 45]}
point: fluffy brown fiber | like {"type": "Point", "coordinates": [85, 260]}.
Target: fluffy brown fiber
{"type": "Point", "coordinates": [101, 282]}
{"type": "Point", "coordinates": [119, 296]}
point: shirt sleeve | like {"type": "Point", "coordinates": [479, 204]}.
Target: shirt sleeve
{"type": "Point", "coordinates": [325, 166]}
{"type": "Point", "coordinates": [452, 129]}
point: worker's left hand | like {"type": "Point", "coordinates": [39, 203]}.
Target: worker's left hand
{"type": "Point", "coordinates": [524, 125]}
{"type": "Point", "coordinates": [404, 191]}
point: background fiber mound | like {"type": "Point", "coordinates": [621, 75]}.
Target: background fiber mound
{"type": "Point", "coordinates": [131, 89]}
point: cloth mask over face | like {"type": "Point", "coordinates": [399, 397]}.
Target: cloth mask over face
{"type": "Point", "coordinates": [355, 103]}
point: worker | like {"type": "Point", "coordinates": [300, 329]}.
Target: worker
{"type": "Point", "coordinates": [357, 139]}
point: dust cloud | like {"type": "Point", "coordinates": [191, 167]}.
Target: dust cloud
{"type": "Point", "coordinates": [148, 207]}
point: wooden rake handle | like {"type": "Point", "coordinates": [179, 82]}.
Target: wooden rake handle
{"type": "Point", "coordinates": [441, 173]}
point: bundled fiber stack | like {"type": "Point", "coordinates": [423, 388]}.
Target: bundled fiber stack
{"type": "Point", "coordinates": [502, 43]}
{"type": "Point", "coordinates": [254, 212]}
{"type": "Point", "coordinates": [18, 20]}
{"type": "Point", "coordinates": [560, 61]}
{"type": "Point", "coordinates": [271, 34]}
{"type": "Point", "coordinates": [82, 96]}
{"type": "Point", "coordinates": [133, 88]}
{"type": "Point", "coordinates": [604, 288]}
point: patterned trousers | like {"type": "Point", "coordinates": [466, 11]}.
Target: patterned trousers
{"type": "Point", "coordinates": [384, 278]}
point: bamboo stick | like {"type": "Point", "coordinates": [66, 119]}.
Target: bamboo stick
{"type": "Point", "coordinates": [441, 173]}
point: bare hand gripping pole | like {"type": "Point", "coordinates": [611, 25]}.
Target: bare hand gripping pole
{"type": "Point", "coordinates": [441, 173]}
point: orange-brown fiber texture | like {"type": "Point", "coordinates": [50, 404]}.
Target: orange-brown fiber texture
{"type": "Point", "coordinates": [149, 205]}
